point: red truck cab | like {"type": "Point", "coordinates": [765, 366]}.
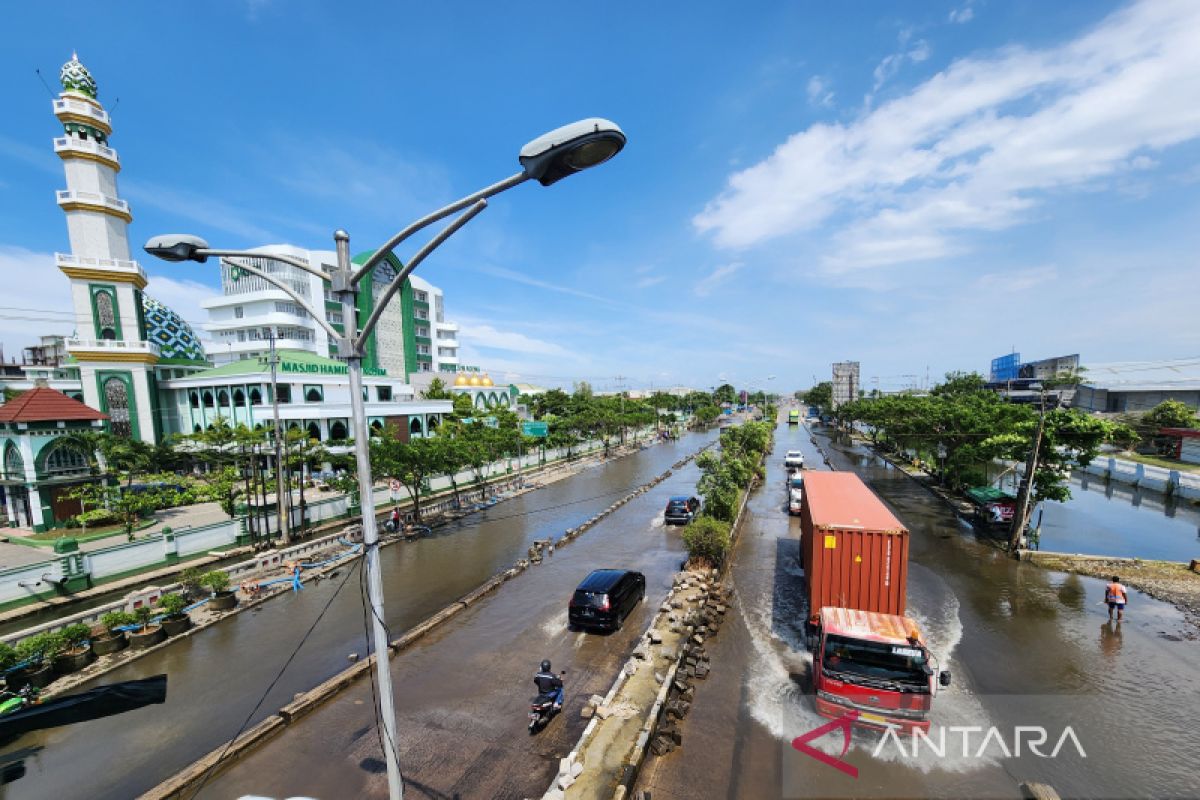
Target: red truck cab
{"type": "Point", "coordinates": [876, 665]}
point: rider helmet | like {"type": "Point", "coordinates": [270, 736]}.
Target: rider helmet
{"type": "Point", "coordinates": [545, 666]}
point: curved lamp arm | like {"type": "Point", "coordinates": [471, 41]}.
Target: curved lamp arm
{"type": "Point", "coordinates": [429, 219]}
{"type": "Point", "coordinates": [412, 264]}
{"type": "Point", "coordinates": [290, 260]}
{"type": "Point", "coordinates": [319, 319]}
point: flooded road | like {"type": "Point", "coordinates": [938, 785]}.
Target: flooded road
{"type": "Point", "coordinates": [462, 692]}
{"type": "Point", "coordinates": [216, 677]}
{"type": "Point", "coordinates": [1027, 647]}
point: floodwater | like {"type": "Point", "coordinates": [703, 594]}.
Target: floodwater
{"type": "Point", "coordinates": [1028, 648]}
{"type": "Point", "coordinates": [1112, 519]}
{"type": "Point", "coordinates": [218, 676]}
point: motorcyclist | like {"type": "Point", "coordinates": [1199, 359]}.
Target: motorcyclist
{"type": "Point", "coordinates": [549, 683]}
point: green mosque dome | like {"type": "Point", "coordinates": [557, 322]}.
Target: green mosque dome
{"type": "Point", "coordinates": [76, 78]}
{"type": "Point", "coordinates": [175, 338]}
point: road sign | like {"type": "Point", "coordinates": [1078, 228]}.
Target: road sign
{"type": "Point", "coordinates": [394, 485]}
{"type": "Point", "coordinates": [538, 429]}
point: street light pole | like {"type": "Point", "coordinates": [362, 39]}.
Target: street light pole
{"type": "Point", "coordinates": [547, 159]}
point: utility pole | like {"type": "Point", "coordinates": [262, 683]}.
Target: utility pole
{"type": "Point", "coordinates": [281, 522]}
{"type": "Point", "coordinates": [1019, 519]}
{"type": "Point", "coordinates": [621, 391]}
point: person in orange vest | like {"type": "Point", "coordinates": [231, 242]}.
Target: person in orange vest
{"type": "Point", "coordinates": [1116, 597]}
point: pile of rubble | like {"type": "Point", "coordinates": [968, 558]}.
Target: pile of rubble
{"type": "Point", "coordinates": [700, 623]}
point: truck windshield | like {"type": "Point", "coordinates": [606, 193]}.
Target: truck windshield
{"type": "Point", "coordinates": [887, 662]}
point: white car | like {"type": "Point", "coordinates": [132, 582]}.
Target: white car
{"type": "Point", "coordinates": [795, 501]}
{"type": "Point", "coordinates": [793, 459]}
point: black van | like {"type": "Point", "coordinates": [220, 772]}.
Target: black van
{"type": "Point", "coordinates": [606, 598]}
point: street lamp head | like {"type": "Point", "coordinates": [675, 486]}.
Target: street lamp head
{"type": "Point", "coordinates": [176, 247]}
{"type": "Point", "coordinates": [570, 149]}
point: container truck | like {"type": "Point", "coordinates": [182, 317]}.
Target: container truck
{"type": "Point", "coordinates": [869, 659]}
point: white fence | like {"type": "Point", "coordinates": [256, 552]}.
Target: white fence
{"type": "Point", "coordinates": [1170, 482]}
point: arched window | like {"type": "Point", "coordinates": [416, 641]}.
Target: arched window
{"type": "Point", "coordinates": [196, 429]}
{"type": "Point", "coordinates": [106, 316]}
{"type": "Point", "coordinates": [255, 396]}
{"type": "Point", "coordinates": [194, 399]}
{"type": "Point", "coordinates": [313, 394]}
{"type": "Point", "coordinates": [14, 465]}
{"type": "Point", "coordinates": [479, 401]}
{"type": "Point", "coordinates": [432, 424]}
{"type": "Point", "coordinates": [258, 426]}
{"type": "Point", "coordinates": [222, 398]}
{"type": "Point", "coordinates": [377, 425]}
{"type": "Point", "coordinates": [75, 396]}
{"type": "Point", "coordinates": [239, 397]}
{"type": "Point", "coordinates": [63, 459]}
{"type": "Point", "coordinates": [314, 431]}
{"type": "Point", "coordinates": [337, 430]}
{"type": "Point", "coordinates": [414, 427]}
{"type": "Point", "coordinates": [116, 397]}
{"type": "Point", "coordinates": [293, 426]}
{"type": "Point", "coordinates": [208, 399]}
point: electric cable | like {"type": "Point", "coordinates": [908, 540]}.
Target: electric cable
{"type": "Point", "coordinates": [211, 770]}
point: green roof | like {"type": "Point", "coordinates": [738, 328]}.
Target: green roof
{"type": "Point", "coordinates": [988, 494]}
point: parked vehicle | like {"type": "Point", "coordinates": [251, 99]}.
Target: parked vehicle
{"type": "Point", "coordinates": [605, 598]}
{"type": "Point", "coordinates": [794, 417]}
{"type": "Point", "coordinates": [869, 659]}
{"type": "Point", "coordinates": [793, 459]}
{"type": "Point", "coordinates": [11, 701]}
{"type": "Point", "coordinates": [681, 510]}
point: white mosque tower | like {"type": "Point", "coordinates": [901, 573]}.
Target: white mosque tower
{"type": "Point", "coordinates": [114, 354]}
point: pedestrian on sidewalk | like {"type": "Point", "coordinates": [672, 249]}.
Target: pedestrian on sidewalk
{"type": "Point", "coordinates": [1116, 597]}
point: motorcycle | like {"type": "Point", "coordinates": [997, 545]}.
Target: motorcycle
{"type": "Point", "coordinates": [541, 709]}
{"type": "Point", "coordinates": [15, 701]}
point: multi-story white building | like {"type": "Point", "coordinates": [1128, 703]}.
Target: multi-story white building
{"type": "Point", "coordinates": [412, 334]}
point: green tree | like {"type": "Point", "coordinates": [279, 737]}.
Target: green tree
{"type": "Point", "coordinates": [725, 393]}
{"type": "Point", "coordinates": [1170, 414]}
{"type": "Point", "coordinates": [820, 396]}
{"type": "Point", "coordinates": [437, 391]}
{"type": "Point", "coordinates": [707, 540]}
{"type": "Point", "coordinates": [223, 486]}
{"type": "Point", "coordinates": [412, 463]}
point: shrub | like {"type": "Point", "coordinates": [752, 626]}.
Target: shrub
{"type": "Point", "coordinates": [8, 656]}
{"type": "Point", "coordinates": [40, 648]}
{"type": "Point", "coordinates": [75, 636]}
{"type": "Point", "coordinates": [172, 604]}
{"type": "Point", "coordinates": [189, 581]}
{"type": "Point", "coordinates": [143, 614]}
{"type": "Point", "coordinates": [707, 540]}
{"type": "Point", "coordinates": [215, 581]}
{"type": "Point", "coordinates": [116, 619]}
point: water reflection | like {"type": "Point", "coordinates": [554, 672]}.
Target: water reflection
{"type": "Point", "coordinates": [1110, 638]}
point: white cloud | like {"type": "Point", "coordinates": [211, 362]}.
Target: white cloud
{"type": "Point", "coordinates": [890, 65]}
{"type": "Point", "coordinates": [977, 146]}
{"type": "Point", "coordinates": [487, 337]}
{"type": "Point", "coordinates": [650, 280]}
{"type": "Point", "coordinates": [520, 277]}
{"type": "Point", "coordinates": [819, 93]}
{"type": "Point", "coordinates": [715, 278]}
{"type": "Point", "coordinates": [962, 15]}
{"type": "Point", "coordinates": [36, 301]}
{"type": "Point", "coordinates": [211, 214]}
{"type": "Point", "coordinates": [1018, 280]}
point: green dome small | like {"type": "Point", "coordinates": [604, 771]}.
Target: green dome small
{"type": "Point", "coordinates": [76, 78]}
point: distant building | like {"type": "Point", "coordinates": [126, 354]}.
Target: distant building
{"type": "Point", "coordinates": [1135, 386]}
{"type": "Point", "coordinates": [1022, 381]}
{"type": "Point", "coordinates": [845, 382]}
{"type": "Point", "coordinates": [412, 334]}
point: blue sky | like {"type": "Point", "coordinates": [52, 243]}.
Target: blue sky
{"type": "Point", "coordinates": [918, 186]}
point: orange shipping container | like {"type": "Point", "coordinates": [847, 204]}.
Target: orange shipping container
{"type": "Point", "coordinates": [854, 550]}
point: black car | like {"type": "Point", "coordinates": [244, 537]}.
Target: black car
{"type": "Point", "coordinates": [606, 598]}
{"type": "Point", "coordinates": [681, 509]}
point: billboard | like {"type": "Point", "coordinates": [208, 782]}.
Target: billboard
{"type": "Point", "coordinates": [1005, 368]}
{"type": "Point", "coordinates": [845, 382]}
